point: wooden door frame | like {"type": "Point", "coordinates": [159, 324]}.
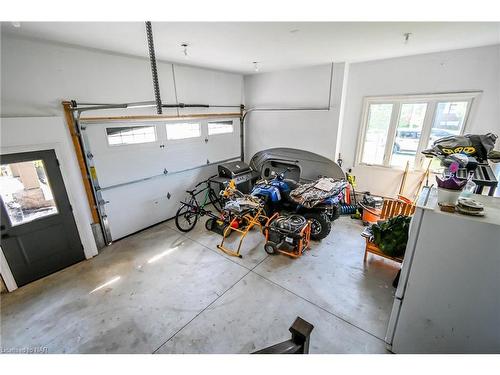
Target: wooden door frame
{"type": "Point", "coordinates": [77, 147]}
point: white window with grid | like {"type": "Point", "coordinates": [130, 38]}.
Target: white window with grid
{"type": "Point", "coordinates": [395, 130]}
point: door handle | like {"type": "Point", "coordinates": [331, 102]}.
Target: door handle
{"type": "Point", "coordinates": [5, 236]}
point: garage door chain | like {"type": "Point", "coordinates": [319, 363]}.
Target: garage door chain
{"type": "Point", "coordinates": [154, 72]}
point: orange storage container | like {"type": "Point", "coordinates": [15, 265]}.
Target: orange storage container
{"type": "Point", "coordinates": [370, 215]}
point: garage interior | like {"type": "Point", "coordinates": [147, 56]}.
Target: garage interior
{"type": "Point", "coordinates": [231, 187]}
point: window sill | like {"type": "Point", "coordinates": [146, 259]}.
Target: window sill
{"type": "Point", "coordinates": [386, 168]}
{"type": "Point", "coordinates": [397, 169]}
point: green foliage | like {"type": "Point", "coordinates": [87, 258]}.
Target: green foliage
{"type": "Point", "coordinates": [391, 235]}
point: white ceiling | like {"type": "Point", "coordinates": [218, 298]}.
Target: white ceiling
{"type": "Point", "coordinates": [276, 45]}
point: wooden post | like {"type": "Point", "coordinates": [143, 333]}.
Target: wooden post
{"type": "Point", "coordinates": [81, 160]}
{"type": "Point", "coordinates": [421, 182]}
{"type": "Point", "coordinates": [101, 119]}
{"type": "Point", "coordinates": [403, 181]}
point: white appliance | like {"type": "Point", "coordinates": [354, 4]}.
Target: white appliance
{"type": "Point", "coordinates": [448, 297]}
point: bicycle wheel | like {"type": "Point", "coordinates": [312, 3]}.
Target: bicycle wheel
{"type": "Point", "coordinates": [215, 200]}
{"type": "Point", "coordinates": [186, 217]}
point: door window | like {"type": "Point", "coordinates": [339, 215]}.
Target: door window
{"type": "Point", "coordinates": [26, 192]}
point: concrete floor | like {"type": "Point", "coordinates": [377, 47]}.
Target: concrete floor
{"type": "Point", "coordinates": [161, 291]}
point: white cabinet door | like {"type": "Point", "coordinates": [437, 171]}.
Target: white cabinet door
{"type": "Point", "coordinates": [451, 303]}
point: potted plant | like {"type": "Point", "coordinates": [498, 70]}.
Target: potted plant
{"type": "Point", "coordinates": [449, 188]}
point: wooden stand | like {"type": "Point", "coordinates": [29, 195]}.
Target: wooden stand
{"type": "Point", "coordinates": [372, 248]}
{"type": "Point", "coordinates": [391, 208]}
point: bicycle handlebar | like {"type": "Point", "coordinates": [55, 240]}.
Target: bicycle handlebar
{"type": "Point", "coordinates": [205, 181]}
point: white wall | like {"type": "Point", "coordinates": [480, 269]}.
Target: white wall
{"type": "Point", "coordinates": [459, 70]}
{"type": "Point", "coordinates": [315, 131]}
{"type": "Point", "coordinates": [37, 76]}
{"type": "Point", "coordinates": [328, 133]}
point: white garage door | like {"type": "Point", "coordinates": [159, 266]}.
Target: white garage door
{"type": "Point", "coordinates": [144, 168]}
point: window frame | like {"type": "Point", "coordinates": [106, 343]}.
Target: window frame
{"type": "Point", "coordinates": [397, 101]}
{"type": "Point", "coordinates": [220, 121]}
{"type": "Point", "coordinates": [132, 125]}
{"type": "Point", "coordinates": [196, 139]}
{"type": "Point", "coordinates": [49, 185]}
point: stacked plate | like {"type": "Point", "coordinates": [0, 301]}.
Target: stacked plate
{"type": "Point", "coordinates": [469, 206]}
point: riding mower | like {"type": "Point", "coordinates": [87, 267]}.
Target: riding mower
{"type": "Point", "coordinates": [278, 196]}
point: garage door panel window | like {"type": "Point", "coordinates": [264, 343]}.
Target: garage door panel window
{"type": "Point", "coordinates": [220, 127]}
{"type": "Point", "coordinates": [396, 129]}
{"type": "Point", "coordinates": [128, 135]}
{"type": "Point", "coordinates": [183, 130]}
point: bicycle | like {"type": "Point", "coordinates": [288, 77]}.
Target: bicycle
{"type": "Point", "coordinates": [188, 213]}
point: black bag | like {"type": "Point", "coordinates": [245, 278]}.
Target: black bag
{"type": "Point", "coordinates": [470, 144]}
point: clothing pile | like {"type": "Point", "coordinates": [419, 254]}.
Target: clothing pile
{"type": "Point", "coordinates": [241, 204]}
{"type": "Point", "coordinates": [309, 195]}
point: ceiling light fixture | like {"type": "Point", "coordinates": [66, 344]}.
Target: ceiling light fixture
{"type": "Point", "coordinates": [407, 37]}
{"type": "Point", "coordinates": [185, 49]}
{"type": "Point", "coordinates": [256, 66]}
